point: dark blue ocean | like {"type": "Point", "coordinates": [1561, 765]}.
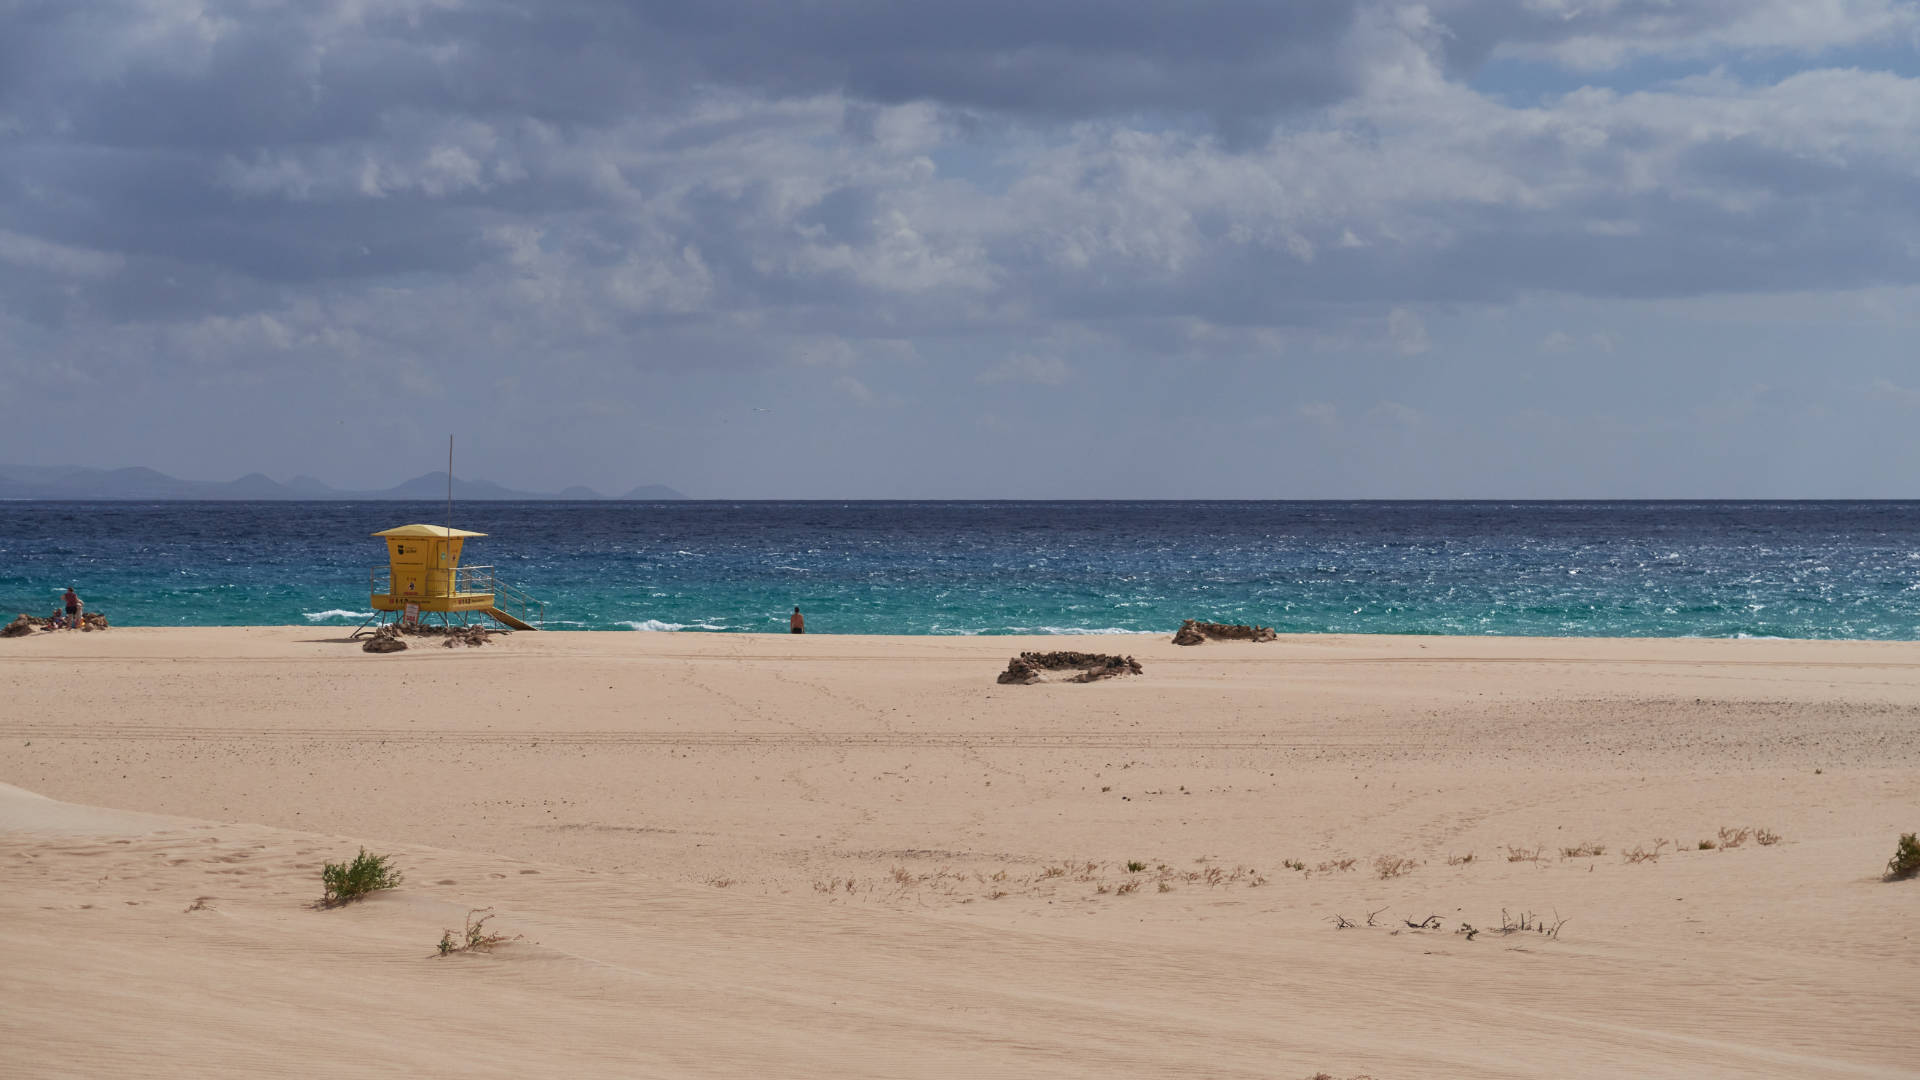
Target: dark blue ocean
{"type": "Point", "coordinates": [1662, 569]}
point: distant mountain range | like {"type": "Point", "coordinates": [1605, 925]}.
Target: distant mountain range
{"type": "Point", "coordinates": [76, 482]}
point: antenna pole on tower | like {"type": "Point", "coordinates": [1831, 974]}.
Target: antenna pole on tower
{"type": "Point", "coordinates": [449, 487]}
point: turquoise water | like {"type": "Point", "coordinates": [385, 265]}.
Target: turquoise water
{"type": "Point", "coordinates": [1802, 570]}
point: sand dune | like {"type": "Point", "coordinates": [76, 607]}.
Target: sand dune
{"type": "Point", "coordinates": [741, 855]}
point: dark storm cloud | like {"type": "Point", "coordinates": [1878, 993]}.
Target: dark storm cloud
{"type": "Point", "coordinates": [997, 193]}
{"type": "Point", "coordinates": [241, 74]}
{"type": "Point", "coordinates": [1072, 58]}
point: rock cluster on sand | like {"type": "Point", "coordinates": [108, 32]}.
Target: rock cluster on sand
{"type": "Point", "coordinates": [1032, 667]}
{"type": "Point", "coordinates": [1194, 632]}
{"type": "Point", "coordinates": [24, 624]}
{"type": "Point", "coordinates": [466, 635]}
{"type": "Point", "coordinates": [385, 639]}
{"type": "Point", "coordinates": [390, 637]}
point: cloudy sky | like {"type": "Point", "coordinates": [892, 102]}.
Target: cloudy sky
{"type": "Point", "coordinates": [1046, 248]}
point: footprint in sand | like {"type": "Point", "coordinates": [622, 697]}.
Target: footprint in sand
{"type": "Point", "coordinates": [446, 881]}
{"type": "Point", "coordinates": [529, 871]}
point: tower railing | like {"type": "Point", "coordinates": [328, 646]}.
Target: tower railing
{"type": "Point", "coordinates": [482, 579]}
{"type": "Point", "coordinates": [518, 604]}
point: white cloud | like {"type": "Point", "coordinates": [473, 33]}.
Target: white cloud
{"type": "Point", "coordinates": [1408, 332]}
{"type": "Point", "coordinates": [679, 283]}
{"type": "Point", "coordinates": [37, 254]}
{"type": "Point", "coordinates": [1322, 413]}
{"type": "Point", "coordinates": [1560, 341]}
{"type": "Point", "coordinates": [856, 390]}
{"type": "Point", "coordinates": [1593, 35]}
{"type": "Point", "coordinates": [1397, 414]}
{"type": "Point", "coordinates": [1028, 368]}
{"type": "Point", "coordinates": [436, 157]}
{"type": "Point", "coordinates": [1888, 390]}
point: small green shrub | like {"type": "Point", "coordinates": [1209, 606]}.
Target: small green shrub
{"type": "Point", "coordinates": [347, 882]}
{"type": "Point", "coordinates": [1906, 859]}
{"type": "Point", "coordinates": [1134, 866]}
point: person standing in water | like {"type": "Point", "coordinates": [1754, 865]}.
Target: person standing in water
{"type": "Point", "coordinates": [798, 622]}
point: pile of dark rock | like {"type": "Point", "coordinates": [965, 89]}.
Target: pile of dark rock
{"type": "Point", "coordinates": [385, 639]}
{"type": "Point", "coordinates": [391, 637]}
{"type": "Point", "coordinates": [466, 635]}
{"type": "Point", "coordinates": [1194, 632]}
{"type": "Point", "coordinates": [25, 624]}
{"type": "Point", "coordinates": [1032, 667]}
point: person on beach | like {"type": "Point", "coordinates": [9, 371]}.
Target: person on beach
{"type": "Point", "coordinates": [798, 622]}
{"type": "Point", "coordinates": [75, 605]}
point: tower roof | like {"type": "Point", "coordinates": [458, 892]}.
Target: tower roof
{"type": "Point", "coordinates": [435, 532]}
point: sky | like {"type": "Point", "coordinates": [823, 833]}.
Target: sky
{"type": "Point", "coordinates": [1044, 249]}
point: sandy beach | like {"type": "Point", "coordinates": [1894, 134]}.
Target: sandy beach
{"type": "Point", "coordinates": [733, 855]}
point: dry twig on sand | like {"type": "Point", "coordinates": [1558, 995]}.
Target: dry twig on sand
{"type": "Point", "coordinates": [1641, 854]}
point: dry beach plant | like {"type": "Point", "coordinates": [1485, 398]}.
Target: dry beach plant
{"type": "Point", "coordinates": [475, 937]}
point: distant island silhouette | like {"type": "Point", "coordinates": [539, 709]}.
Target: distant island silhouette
{"type": "Point", "coordinates": [79, 482]}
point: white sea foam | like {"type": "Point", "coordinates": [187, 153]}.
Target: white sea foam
{"type": "Point", "coordinates": [1082, 630]}
{"type": "Point", "coordinates": [655, 626]}
{"type": "Point", "coordinates": [336, 613]}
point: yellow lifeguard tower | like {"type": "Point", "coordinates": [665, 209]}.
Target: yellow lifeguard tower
{"type": "Point", "coordinates": [423, 574]}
